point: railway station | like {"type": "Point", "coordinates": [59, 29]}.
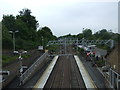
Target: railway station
{"type": "Point", "coordinates": [59, 44]}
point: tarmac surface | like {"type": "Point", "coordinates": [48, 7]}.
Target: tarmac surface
{"type": "Point", "coordinates": [95, 74]}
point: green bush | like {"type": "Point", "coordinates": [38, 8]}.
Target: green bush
{"type": "Point", "coordinates": [81, 49]}
{"type": "Point", "coordinates": [100, 62]}
{"type": "Point", "coordinates": [53, 48]}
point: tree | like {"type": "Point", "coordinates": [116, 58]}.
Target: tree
{"type": "Point", "coordinates": [25, 16]}
{"type": "Point", "coordinates": [6, 38]}
{"type": "Point", "coordinates": [28, 37]}
{"type": "Point", "coordinates": [9, 22]}
{"type": "Point", "coordinates": [103, 34]}
{"type": "Point", "coordinates": [30, 24]}
{"type": "Point", "coordinates": [80, 35]}
{"type": "Point", "coordinates": [44, 35]}
{"type": "Point", "coordinates": [87, 33]}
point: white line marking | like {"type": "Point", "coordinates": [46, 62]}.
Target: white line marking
{"type": "Point", "coordinates": [42, 81]}
{"type": "Point", "coordinates": [87, 79]}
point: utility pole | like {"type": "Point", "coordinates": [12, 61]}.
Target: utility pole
{"type": "Point", "coordinates": [13, 32]}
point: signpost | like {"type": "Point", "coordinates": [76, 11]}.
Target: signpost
{"type": "Point", "coordinates": [40, 47]}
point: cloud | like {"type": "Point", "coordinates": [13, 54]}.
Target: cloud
{"type": "Point", "coordinates": [67, 16]}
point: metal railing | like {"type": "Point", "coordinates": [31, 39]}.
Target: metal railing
{"type": "Point", "coordinates": [25, 76]}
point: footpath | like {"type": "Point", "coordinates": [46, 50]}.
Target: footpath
{"type": "Point", "coordinates": [95, 73]}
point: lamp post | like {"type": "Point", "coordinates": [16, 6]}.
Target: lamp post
{"type": "Point", "coordinates": [13, 32]}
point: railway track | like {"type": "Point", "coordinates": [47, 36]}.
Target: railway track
{"type": "Point", "coordinates": [68, 72]}
{"type": "Point", "coordinates": [56, 81]}
{"type": "Point", "coordinates": [65, 74]}
{"type": "Point", "coordinates": [58, 76]}
{"type": "Point", "coordinates": [77, 81]}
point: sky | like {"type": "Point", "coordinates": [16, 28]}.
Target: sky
{"type": "Point", "coordinates": [67, 16]}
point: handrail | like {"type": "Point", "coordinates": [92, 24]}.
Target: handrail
{"type": "Point", "coordinates": [25, 76]}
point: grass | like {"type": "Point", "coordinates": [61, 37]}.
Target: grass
{"type": "Point", "coordinates": [8, 59]}
{"type": "Point", "coordinates": [26, 55]}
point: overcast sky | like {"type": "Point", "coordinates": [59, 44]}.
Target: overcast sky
{"type": "Point", "coordinates": [67, 16]}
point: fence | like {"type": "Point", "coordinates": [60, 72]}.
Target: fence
{"type": "Point", "coordinates": [25, 76]}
